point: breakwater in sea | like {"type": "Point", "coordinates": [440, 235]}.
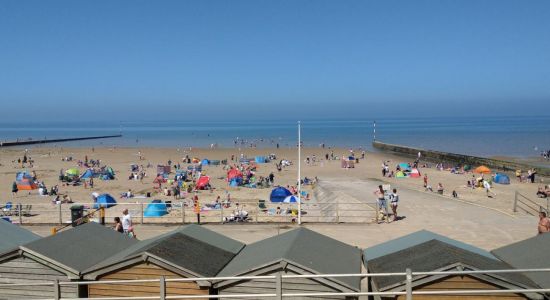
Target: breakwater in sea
{"type": "Point", "coordinates": [46, 141]}
{"type": "Point", "coordinates": [460, 159]}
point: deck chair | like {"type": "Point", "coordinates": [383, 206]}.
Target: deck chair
{"type": "Point", "coordinates": [8, 209]}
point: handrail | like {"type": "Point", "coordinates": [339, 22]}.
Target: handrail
{"type": "Point", "coordinates": [279, 294]}
{"type": "Point", "coordinates": [539, 208]}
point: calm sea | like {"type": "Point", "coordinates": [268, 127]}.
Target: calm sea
{"type": "Point", "coordinates": [507, 136]}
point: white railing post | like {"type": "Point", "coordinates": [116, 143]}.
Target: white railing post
{"type": "Point", "coordinates": [182, 213]}
{"type": "Point", "coordinates": [221, 213]}
{"type": "Point", "coordinates": [60, 214]}
{"type": "Point", "coordinates": [19, 213]}
{"type": "Point", "coordinates": [56, 290]}
{"type": "Point", "coordinates": [515, 201]}
{"type": "Point", "coordinates": [142, 213]}
{"type": "Point", "coordinates": [408, 284]}
{"type": "Point", "coordinates": [162, 288]}
{"type": "Point", "coordinates": [279, 286]}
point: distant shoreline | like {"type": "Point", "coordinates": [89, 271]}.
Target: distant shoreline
{"type": "Point", "coordinates": [49, 141]}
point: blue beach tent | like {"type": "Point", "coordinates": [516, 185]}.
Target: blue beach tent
{"type": "Point", "coordinates": [405, 166]}
{"type": "Point", "coordinates": [502, 178]}
{"type": "Point", "coordinates": [205, 162]}
{"type": "Point", "coordinates": [279, 194]}
{"type": "Point", "coordinates": [156, 208]}
{"type": "Point", "coordinates": [88, 174]}
{"type": "Point", "coordinates": [260, 159]}
{"type": "Point", "coordinates": [104, 200]}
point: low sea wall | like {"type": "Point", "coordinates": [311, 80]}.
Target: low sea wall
{"type": "Point", "coordinates": [461, 159]}
{"type": "Point", "coordinates": [46, 141]}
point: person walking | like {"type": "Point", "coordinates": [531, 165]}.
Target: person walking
{"type": "Point", "coordinates": [487, 187]}
{"type": "Point", "coordinates": [127, 225]}
{"type": "Point", "coordinates": [394, 199]}
{"type": "Point", "coordinates": [381, 200]}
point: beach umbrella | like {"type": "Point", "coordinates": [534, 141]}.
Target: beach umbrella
{"type": "Point", "coordinates": [72, 172]}
{"type": "Point", "coordinates": [482, 170]}
{"type": "Point", "coordinates": [291, 199]}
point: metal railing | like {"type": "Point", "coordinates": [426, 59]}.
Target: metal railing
{"type": "Point", "coordinates": [529, 206]}
{"type": "Point", "coordinates": [182, 212]}
{"type": "Point", "coordinates": [278, 287]}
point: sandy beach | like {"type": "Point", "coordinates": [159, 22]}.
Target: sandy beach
{"type": "Point", "coordinates": [49, 161]}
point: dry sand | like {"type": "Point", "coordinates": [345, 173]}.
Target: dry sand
{"type": "Point", "coordinates": [48, 162]}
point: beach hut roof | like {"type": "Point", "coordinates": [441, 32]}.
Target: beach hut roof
{"type": "Point", "coordinates": [529, 253]}
{"type": "Point", "coordinates": [79, 248]}
{"type": "Point", "coordinates": [303, 248]}
{"type": "Point", "coordinates": [431, 255]}
{"type": "Point", "coordinates": [190, 250]}
{"type": "Point", "coordinates": [13, 236]}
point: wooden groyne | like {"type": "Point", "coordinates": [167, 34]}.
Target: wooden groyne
{"type": "Point", "coordinates": [459, 159]}
{"type": "Point", "coordinates": [46, 141]}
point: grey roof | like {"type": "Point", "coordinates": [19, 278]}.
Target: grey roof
{"type": "Point", "coordinates": [435, 255]}
{"type": "Point", "coordinates": [417, 238]}
{"type": "Point", "coordinates": [304, 248]}
{"type": "Point", "coordinates": [81, 247]}
{"type": "Point", "coordinates": [13, 236]}
{"type": "Point", "coordinates": [530, 253]}
{"type": "Point", "coordinates": [191, 248]}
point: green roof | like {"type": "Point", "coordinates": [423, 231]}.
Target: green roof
{"type": "Point", "coordinates": [13, 236]}
{"type": "Point", "coordinates": [191, 247]}
{"type": "Point", "coordinates": [79, 248]}
{"type": "Point", "coordinates": [303, 248]}
{"type": "Point", "coordinates": [417, 238]}
{"type": "Point", "coordinates": [532, 253]}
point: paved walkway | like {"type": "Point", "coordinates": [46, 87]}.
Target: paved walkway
{"type": "Point", "coordinates": [480, 226]}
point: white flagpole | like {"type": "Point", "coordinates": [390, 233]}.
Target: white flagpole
{"type": "Point", "coordinates": [299, 174]}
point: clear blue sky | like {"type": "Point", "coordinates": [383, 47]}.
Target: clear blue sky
{"type": "Point", "coordinates": [217, 59]}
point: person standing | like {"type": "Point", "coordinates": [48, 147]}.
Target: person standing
{"type": "Point", "coordinates": [487, 187]}
{"type": "Point", "coordinates": [394, 199]}
{"type": "Point", "coordinates": [425, 180]}
{"type": "Point", "coordinates": [544, 223]}
{"type": "Point", "coordinates": [127, 225]}
{"type": "Point", "coordinates": [381, 200]}
{"type": "Point", "coordinates": [118, 225]}
{"type": "Point", "coordinates": [14, 189]}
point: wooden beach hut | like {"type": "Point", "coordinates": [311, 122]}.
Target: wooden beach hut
{"type": "Point", "coordinates": [13, 236]}
{"type": "Point", "coordinates": [59, 257]}
{"type": "Point", "coordinates": [188, 252]}
{"type": "Point", "coordinates": [427, 251]}
{"type": "Point", "coordinates": [532, 253]}
{"type": "Point", "coordinates": [300, 251]}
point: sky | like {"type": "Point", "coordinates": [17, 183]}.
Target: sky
{"type": "Point", "coordinates": [295, 59]}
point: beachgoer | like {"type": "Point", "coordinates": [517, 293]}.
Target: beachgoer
{"type": "Point", "coordinates": [425, 180]}
{"type": "Point", "coordinates": [544, 223]}
{"type": "Point", "coordinates": [381, 200]}
{"type": "Point", "coordinates": [127, 224]}
{"type": "Point", "coordinates": [394, 199]}
{"type": "Point", "coordinates": [455, 194]}
{"type": "Point", "coordinates": [487, 187]}
{"type": "Point", "coordinates": [440, 188]}
{"type": "Point", "coordinates": [118, 225]}
{"type": "Point", "coordinates": [14, 188]}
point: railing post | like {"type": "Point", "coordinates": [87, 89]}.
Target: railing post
{"type": "Point", "coordinates": [141, 213]}
{"type": "Point", "coordinates": [56, 290]}
{"type": "Point", "coordinates": [377, 212]}
{"type": "Point", "coordinates": [279, 286]}
{"type": "Point", "coordinates": [19, 211]}
{"type": "Point", "coordinates": [515, 201]}
{"type": "Point", "coordinates": [221, 213]}
{"type": "Point", "coordinates": [408, 284]}
{"type": "Point", "coordinates": [182, 213]}
{"type": "Point", "coordinates": [60, 214]}
{"type": "Point", "coordinates": [162, 288]}
{"type": "Point", "coordinates": [337, 211]}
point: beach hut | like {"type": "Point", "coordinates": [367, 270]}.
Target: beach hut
{"type": "Point", "coordinates": [414, 173]}
{"type": "Point", "coordinates": [187, 252]}
{"type": "Point", "coordinates": [279, 194]}
{"type": "Point", "coordinates": [501, 178]}
{"type": "Point", "coordinates": [58, 257]}
{"type": "Point", "coordinates": [297, 252]}
{"type": "Point", "coordinates": [104, 200]}
{"type": "Point", "coordinates": [25, 182]}
{"type": "Point", "coordinates": [482, 170]}
{"type": "Point", "coordinates": [155, 209]}
{"type": "Point", "coordinates": [203, 182]}
{"type": "Point", "coordinates": [13, 236]}
{"type": "Point", "coordinates": [425, 251]}
{"type": "Point", "coordinates": [531, 253]}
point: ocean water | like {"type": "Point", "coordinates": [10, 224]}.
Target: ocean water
{"type": "Point", "coordinates": [502, 136]}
